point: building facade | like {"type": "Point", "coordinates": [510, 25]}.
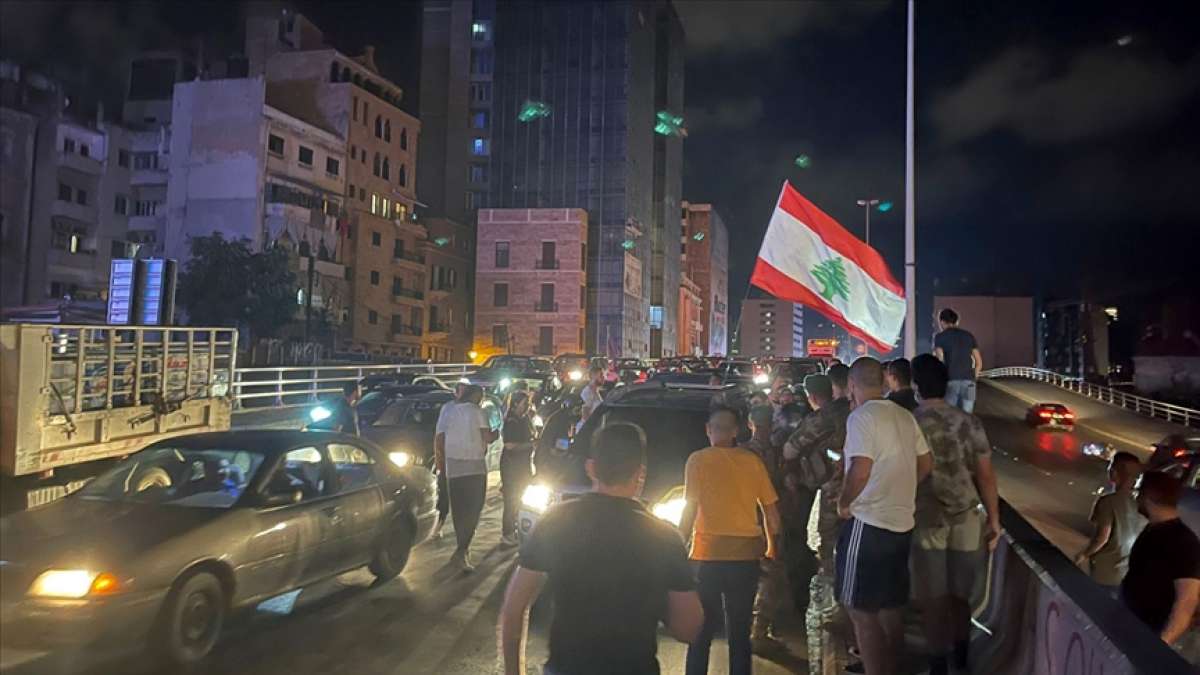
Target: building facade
{"type": "Point", "coordinates": [577, 87]}
{"type": "Point", "coordinates": [531, 281]}
{"type": "Point", "coordinates": [705, 248]}
{"type": "Point", "coordinates": [450, 259]}
{"type": "Point", "coordinates": [771, 328]}
{"type": "Point", "coordinates": [691, 318]}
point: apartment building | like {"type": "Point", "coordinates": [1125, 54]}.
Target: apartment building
{"type": "Point", "coordinates": [531, 281]}
{"type": "Point", "coordinates": [705, 246]}
{"type": "Point", "coordinates": [771, 328]}
{"type": "Point", "coordinates": [450, 260]}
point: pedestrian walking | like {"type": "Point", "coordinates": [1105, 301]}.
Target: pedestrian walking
{"type": "Point", "coordinates": [725, 487]}
{"type": "Point", "coordinates": [897, 375]}
{"type": "Point", "coordinates": [886, 456]}
{"type": "Point", "coordinates": [958, 350]}
{"type": "Point", "coordinates": [1162, 587]}
{"type": "Point", "coordinates": [951, 537]}
{"type": "Point", "coordinates": [461, 452]}
{"type": "Point", "coordinates": [1116, 524]}
{"type": "Point", "coordinates": [515, 470]}
{"type": "Point", "coordinates": [773, 579]}
{"type": "Point", "coordinates": [443, 501]}
{"type": "Point", "coordinates": [613, 571]}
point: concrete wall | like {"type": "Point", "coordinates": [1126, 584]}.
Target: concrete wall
{"type": "Point", "coordinates": [1003, 327]}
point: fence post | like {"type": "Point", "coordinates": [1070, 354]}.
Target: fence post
{"type": "Point", "coordinates": [278, 388]}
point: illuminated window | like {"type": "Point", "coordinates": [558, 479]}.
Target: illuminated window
{"type": "Point", "coordinates": [387, 208]}
{"type": "Point", "coordinates": [374, 203]}
{"type": "Point", "coordinates": [479, 147]}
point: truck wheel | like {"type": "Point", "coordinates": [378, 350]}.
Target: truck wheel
{"type": "Point", "coordinates": [392, 556]}
{"type": "Point", "coordinates": [191, 620]}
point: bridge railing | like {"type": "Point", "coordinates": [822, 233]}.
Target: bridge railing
{"type": "Point", "coordinates": [1139, 404]}
{"type": "Point", "coordinates": [285, 386]}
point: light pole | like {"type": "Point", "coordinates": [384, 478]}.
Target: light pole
{"type": "Point", "coordinates": [867, 205]}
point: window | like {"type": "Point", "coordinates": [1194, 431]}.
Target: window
{"type": "Point", "coordinates": [397, 285]}
{"type": "Point", "coordinates": [364, 115]}
{"type": "Point", "coordinates": [378, 126]}
{"type": "Point", "coordinates": [499, 335]}
{"type": "Point", "coordinates": [68, 145]}
{"type": "Point", "coordinates": [148, 160]}
{"type": "Point", "coordinates": [387, 208]}
{"type": "Point", "coordinates": [656, 316]}
{"type": "Point", "coordinates": [349, 273]}
{"type": "Point", "coordinates": [417, 318]}
{"type": "Point", "coordinates": [398, 248]}
{"type": "Point", "coordinates": [479, 147]}
{"type": "Point", "coordinates": [387, 130]}
{"type": "Point", "coordinates": [479, 119]}
{"type": "Point", "coordinates": [350, 190]}
{"type": "Point", "coordinates": [64, 192]}
{"type": "Point", "coordinates": [374, 277]}
{"type": "Point", "coordinates": [481, 30]}
{"type": "Point", "coordinates": [481, 61]}
{"type": "Point", "coordinates": [372, 317]}
{"type": "Point", "coordinates": [582, 298]}
{"type": "Point", "coordinates": [374, 202]}
{"type": "Point", "coordinates": [302, 470]}
{"type": "Point", "coordinates": [332, 166]}
{"type": "Point", "coordinates": [403, 175]}
{"type": "Point", "coordinates": [452, 278]}
{"type": "Point", "coordinates": [402, 212]}
{"type": "Point", "coordinates": [118, 249]}
{"type": "Point", "coordinates": [481, 92]}
{"type": "Point", "coordinates": [500, 295]}
{"type": "Point", "coordinates": [121, 205]}
{"type": "Point", "coordinates": [376, 239]}
{"type": "Point", "coordinates": [84, 150]}
{"type": "Point", "coordinates": [145, 208]}
{"type": "Point", "coordinates": [306, 156]}
{"type": "Point", "coordinates": [404, 139]}
{"type": "Point", "coordinates": [362, 194]}
{"type": "Point", "coordinates": [377, 165]}
{"type": "Point", "coordinates": [549, 256]}
{"type": "Point", "coordinates": [545, 339]}
{"type": "Point", "coordinates": [397, 323]}
{"type": "Point", "coordinates": [502, 254]}
{"type": "Point", "coordinates": [355, 108]}
{"type": "Point", "coordinates": [81, 197]}
{"type": "Point", "coordinates": [275, 144]}
{"type": "Point", "coordinates": [387, 169]}
{"type": "Point", "coordinates": [479, 173]}
{"type": "Point", "coordinates": [123, 158]}
{"type": "Point", "coordinates": [547, 298]}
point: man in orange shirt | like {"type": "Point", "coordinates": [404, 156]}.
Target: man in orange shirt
{"type": "Point", "coordinates": [725, 486]}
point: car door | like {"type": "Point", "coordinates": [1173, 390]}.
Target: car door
{"type": "Point", "coordinates": [360, 506]}
{"type": "Point", "coordinates": [291, 545]}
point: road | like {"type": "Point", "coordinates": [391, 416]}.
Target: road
{"type": "Point", "coordinates": [432, 621]}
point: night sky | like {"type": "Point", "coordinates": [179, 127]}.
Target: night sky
{"type": "Point", "coordinates": [1058, 144]}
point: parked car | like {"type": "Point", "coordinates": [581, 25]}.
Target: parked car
{"type": "Point", "coordinates": [1052, 415]}
{"type": "Point", "coordinates": [162, 548]}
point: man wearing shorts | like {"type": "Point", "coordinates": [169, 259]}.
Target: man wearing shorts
{"type": "Point", "coordinates": [886, 456]}
{"type": "Point", "coordinates": [948, 552]}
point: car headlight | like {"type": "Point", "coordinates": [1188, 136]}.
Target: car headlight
{"type": "Point", "coordinates": [505, 383]}
{"type": "Point", "coordinates": [538, 421]}
{"type": "Point", "coordinates": [575, 375]}
{"type": "Point", "coordinates": [400, 458]}
{"type": "Point", "coordinates": [670, 510]}
{"type": "Point", "coordinates": [761, 378]}
{"type": "Point", "coordinates": [537, 498]}
{"type": "Point", "coordinates": [320, 413]}
{"type": "Point", "coordinates": [73, 584]}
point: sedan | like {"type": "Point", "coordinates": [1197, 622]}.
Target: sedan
{"type": "Point", "coordinates": [160, 549]}
{"type": "Point", "coordinates": [408, 425]}
{"type": "Point", "coordinates": [1052, 415]}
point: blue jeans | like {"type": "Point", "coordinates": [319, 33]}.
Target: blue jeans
{"type": "Point", "coordinates": [961, 393]}
{"type": "Point", "coordinates": [727, 590]}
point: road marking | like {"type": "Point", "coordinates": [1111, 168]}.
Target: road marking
{"type": "Point", "coordinates": [436, 646]}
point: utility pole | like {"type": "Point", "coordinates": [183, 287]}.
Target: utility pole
{"type": "Point", "coordinates": [867, 205]}
{"type": "Point", "coordinates": [910, 206]}
{"type": "Point", "coordinates": [312, 271]}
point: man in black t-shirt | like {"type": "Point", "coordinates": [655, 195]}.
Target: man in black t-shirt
{"type": "Point", "coordinates": [614, 572]}
{"type": "Point", "coordinates": [1162, 587]}
{"type": "Point", "coordinates": [957, 349]}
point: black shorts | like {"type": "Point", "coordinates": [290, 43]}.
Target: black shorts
{"type": "Point", "coordinates": [872, 567]}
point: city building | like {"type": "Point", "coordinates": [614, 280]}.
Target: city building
{"type": "Point", "coordinates": [771, 327]}
{"type": "Point", "coordinates": [531, 275]}
{"type": "Point", "coordinates": [578, 88]}
{"type": "Point", "coordinates": [691, 318]}
{"type": "Point", "coordinates": [705, 247]}
{"type": "Point", "coordinates": [450, 260]}
{"type": "Point", "coordinates": [64, 203]}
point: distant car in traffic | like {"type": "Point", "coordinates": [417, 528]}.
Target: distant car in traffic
{"type": "Point", "coordinates": [374, 402]}
{"type": "Point", "coordinates": [1172, 450]}
{"type": "Point", "coordinates": [380, 380]}
{"type": "Point", "coordinates": [499, 373]}
{"type": "Point", "coordinates": [1179, 455]}
{"type": "Point", "coordinates": [162, 548]}
{"type": "Point", "coordinates": [1050, 415]}
{"type": "Point", "coordinates": [571, 367]}
{"type": "Point", "coordinates": [408, 425]}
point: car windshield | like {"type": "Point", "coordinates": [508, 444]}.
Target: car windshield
{"type": "Point", "coordinates": [374, 402]}
{"type": "Point", "coordinates": [196, 477]}
{"type": "Point", "coordinates": [411, 412]}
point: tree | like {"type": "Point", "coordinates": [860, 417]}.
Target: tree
{"type": "Point", "coordinates": [224, 283]}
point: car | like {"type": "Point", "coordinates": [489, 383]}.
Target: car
{"type": "Point", "coordinates": [448, 382]}
{"type": "Point", "coordinates": [381, 380]}
{"type": "Point", "coordinates": [498, 373]}
{"type": "Point", "coordinates": [571, 367]}
{"type": "Point", "coordinates": [374, 402]}
{"type": "Point", "coordinates": [162, 548]}
{"type": "Point", "coordinates": [673, 419]}
{"type": "Point", "coordinates": [1179, 455]}
{"type": "Point", "coordinates": [796, 368]}
{"type": "Point", "coordinates": [1053, 415]}
{"type": "Point", "coordinates": [1172, 449]}
{"type": "Point", "coordinates": [408, 425]}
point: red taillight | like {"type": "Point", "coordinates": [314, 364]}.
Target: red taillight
{"type": "Point", "coordinates": [1069, 416]}
{"type": "Point", "coordinates": [1180, 452]}
{"type": "Point", "coordinates": [1046, 413]}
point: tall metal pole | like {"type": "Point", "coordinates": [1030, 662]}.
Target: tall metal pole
{"type": "Point", "coordinates": [868, 210]}
{"type": "Point", "coordinates": [910, 206]}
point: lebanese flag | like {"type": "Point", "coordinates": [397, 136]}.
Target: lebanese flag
{"type": "Point", "coordinates": [809, 258]}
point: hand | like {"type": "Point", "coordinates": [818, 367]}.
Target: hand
{"type": "Point", "coordinates": [843, 511]}
{"type": "Point", "coordinates": [993, 535]}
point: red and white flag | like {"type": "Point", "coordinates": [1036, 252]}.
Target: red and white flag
{"type": "Point", "coordinates": [809, 258]}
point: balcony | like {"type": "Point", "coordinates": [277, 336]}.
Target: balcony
{"type": "Point", "coordinates": [88, 165]}
{"type": "Point", "coordinates": [443, 327]}
{"type": "Point", "coordinates": [408, 293]}
{"type": "Point", "coordinates": [412, 259]}
{"type": "Point", "coordinates": [399, 332]}
{"type": "Point", "coordinates": [545, 306]}
{"type": "Point", "coordinates": [83, 213]}
{"type": "Point", "coordinates": [543, 264]}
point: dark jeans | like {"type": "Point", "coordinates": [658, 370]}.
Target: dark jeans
{"type": "Point", "coordinates": [466, 503]}
{"type": "Point", "coordinates": [727, 591]}
{"type": "Point", "coordinates": [515, 476]}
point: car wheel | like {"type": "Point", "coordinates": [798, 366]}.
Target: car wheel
{"type": "Point", "coordinates": [191, 620]}
{"type": "Point", "coordinates": [392, 556]}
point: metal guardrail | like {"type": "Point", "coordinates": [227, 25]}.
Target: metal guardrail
{"type": "Point", "coordinates": [283, 386]}
{"type": "Point", "coordinates": [1139, 404]}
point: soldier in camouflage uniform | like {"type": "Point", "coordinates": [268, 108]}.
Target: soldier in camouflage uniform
{"type": "Point", "coordinates": [951, 537]}
{"type": "Point", "coordinates": [772, 584]}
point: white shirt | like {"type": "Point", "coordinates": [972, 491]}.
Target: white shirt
{"type": "Point", "coordinates": [889, 435]}
{"type": "Point", "coordinates": [591, 399]}
{"type": "Point", "coordinates": [463, 425]}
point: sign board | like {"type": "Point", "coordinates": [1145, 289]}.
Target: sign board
{"type": "Point", "coordinates": [822, 346]}
{"type": "Point", "coordinates": [156, 292]}
{"type": "Point", "coordinates": [120, 291]}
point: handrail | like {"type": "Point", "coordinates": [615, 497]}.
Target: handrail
{"type": "Point", "coordinates": [1139, 404]}
{"type": "Point", "coordinates": [284, 386]}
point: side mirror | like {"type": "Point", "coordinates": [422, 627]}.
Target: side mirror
{"type": "Point", "coordinates": [283, 498]}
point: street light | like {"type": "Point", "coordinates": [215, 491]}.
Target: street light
{"type": "Point", "coordinates": [867, 205]}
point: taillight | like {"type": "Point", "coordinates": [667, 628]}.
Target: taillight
{"type": "Point", "coordinates": [1069, 416]}
{"type": "Point", "coordinates": [1180, 452]}
{"type": "Point", "coordinates": [1046, 413]}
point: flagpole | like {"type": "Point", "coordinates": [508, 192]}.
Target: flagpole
{"type": "Point", "coordinates": [910, 207]}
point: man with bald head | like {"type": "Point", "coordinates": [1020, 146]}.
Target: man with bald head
{"type": "Point", "coordinates": [886, 456]}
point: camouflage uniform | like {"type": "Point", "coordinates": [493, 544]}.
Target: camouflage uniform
{"type": "Point", "coordinates": [772, 583]}
{"type": "Point", "coordinates": [823, 430]}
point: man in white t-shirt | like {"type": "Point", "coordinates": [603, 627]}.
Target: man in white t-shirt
{"type": "Point", "coordinates": [460, 450]}
{"type": "Point", "coordinates": [591, 394]}
{"type": "Point", "coordinates": [886, 456]}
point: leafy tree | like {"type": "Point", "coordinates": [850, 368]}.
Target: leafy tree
{"type": "Point", "coordinates": [224, 283]}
